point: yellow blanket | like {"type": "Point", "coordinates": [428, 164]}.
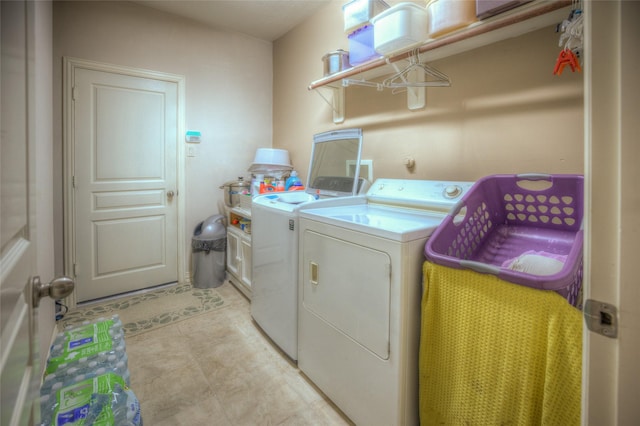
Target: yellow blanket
{"type": "Point", "coordinates": [497, 353]}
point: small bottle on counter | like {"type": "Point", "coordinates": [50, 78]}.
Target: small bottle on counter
{"type": "Point", "coordinates": [292, 181]}
{"type": "Point", "coordinates": [255, 184]}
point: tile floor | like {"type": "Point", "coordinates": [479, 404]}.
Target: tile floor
{"type": "Point", "coordinates": [220, 369]}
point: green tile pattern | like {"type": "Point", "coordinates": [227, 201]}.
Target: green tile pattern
{"type": "Point", "coordinates": [190, 301]}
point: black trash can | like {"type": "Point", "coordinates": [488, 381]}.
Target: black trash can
{"type": "Point", "coordinates": [208, 246]}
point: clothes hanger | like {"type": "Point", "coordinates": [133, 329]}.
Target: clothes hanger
{"type": "Point", "coordinates": [416, 74]}
{"type": "Point", "coordinates": [572, 40]}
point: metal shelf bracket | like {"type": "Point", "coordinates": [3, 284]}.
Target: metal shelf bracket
{"type": "Point", "coordinates": [335, 101]}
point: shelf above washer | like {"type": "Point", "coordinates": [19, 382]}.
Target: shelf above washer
{"type": "Point", "coordinates": [521, 20]}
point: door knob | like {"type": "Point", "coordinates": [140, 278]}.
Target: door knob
{"type": "Point", "coordinates": [170, 195]}
{"type": "Point", "coordinates": [57, 289]}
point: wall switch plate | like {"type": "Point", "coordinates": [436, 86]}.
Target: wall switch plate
{"type": "Point", "coordinates": [192, 151]}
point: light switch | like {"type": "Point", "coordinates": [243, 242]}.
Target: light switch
{"type": "Point", "coordinates": [192, 150]}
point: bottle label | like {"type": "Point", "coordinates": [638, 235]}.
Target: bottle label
{"type": "Point", "coordinates": [293, 181]}
{"type": "Point", "coordinates": [87, 350]}
{"type": "Point", "coordinates": [79, 342]}
{"type": "Point", "coordinates": [88, 339]}
{"type": "Point", "coordinates": [88, 330]}
{"type": "Point", "coordinates": [74, 402]}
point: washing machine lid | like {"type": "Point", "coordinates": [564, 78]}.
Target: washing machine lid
{"type": "Point", "coordinates": [286, 201]}
{"type": "Point", "coordinates": [398, 224]}
{"type": "Point", "coordinates": [334, 166]}
{"type": "Point", "coordinates": [291, 201]}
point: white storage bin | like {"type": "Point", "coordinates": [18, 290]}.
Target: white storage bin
{"type": "Point", "coordinates": [399, 27]}
{"type": "Point", "coordinates": [359, 12]}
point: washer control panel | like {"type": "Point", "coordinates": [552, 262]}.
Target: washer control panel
{"type": "Point", "coordinates": [426, 194]}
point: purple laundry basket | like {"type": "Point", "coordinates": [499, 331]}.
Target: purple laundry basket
{"type": "Point", "coordinates": [505, 216]}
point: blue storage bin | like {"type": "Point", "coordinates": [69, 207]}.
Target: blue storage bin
{"type": "Point", "coordinates": [361, 45]}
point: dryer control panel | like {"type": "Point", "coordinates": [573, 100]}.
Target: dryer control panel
{"type": "Point", "coordinates": [423, 194]}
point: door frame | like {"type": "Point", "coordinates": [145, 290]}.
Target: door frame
{"type": "Point", "coordinates": [610, 369]}
{"type": "Point", "coordinates": [70, 65]}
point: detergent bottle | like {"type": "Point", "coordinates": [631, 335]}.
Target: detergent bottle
{"type": "Point", "coordinates": [292, 180]}
{"type": "Point", "coordinates": [255, 184]}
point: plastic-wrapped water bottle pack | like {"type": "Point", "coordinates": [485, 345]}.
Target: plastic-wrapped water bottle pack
{"type": "Point", "coordinates": [87, 378]}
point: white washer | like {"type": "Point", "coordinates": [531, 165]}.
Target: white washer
{"type": "Point", "coordinates": [274, 233]}
{"type": "Point", "coordinates": [359, 297]}
{"type": "Point", "coordinates": [274, 252]}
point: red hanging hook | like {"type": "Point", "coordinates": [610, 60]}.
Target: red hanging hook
{"type": "Point", "coordinates": [566, 57]}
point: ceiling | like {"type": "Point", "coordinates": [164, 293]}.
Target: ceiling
{"type": "Point", "coordinates": [264, 19]}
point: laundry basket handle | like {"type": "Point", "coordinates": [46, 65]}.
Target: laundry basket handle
{"type": "Point", "coordinates": [480, 267]}
{"type": "Point", "coordinates": [534, 176]}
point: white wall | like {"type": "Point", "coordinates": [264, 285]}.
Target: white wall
{"type": "Point", "coordinates": [228, 88]}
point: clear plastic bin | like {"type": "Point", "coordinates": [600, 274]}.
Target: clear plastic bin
{"type": "Point", "coordinates": [359, 12]}
{"type": "Point", "coordinates": [449, 15]}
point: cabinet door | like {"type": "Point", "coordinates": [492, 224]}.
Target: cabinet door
{"type": "Point", "coordinates": [353, 301]}
{"type": "Point", "coordinates": [234, 254]}
{"type": "Point", "coordinates": [245, 247]}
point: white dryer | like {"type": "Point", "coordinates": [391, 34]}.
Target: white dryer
{"type": "Point", "coordinates": [359, 297]}
{"type": "Point", "coordinates": [274, 233]}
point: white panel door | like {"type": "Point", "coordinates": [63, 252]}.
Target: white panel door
{"type": "Point", "coordinates": [19, 371]}
{"type": "Point", "coordinates": [125, 137]}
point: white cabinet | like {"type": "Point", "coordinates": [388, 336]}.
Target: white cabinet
{"type": "Point", "coordinates": [245, 263]}
{"type": "Point", "coordinates": [234, 256]}
{"type": "Point", "coordinates": [239, 249]}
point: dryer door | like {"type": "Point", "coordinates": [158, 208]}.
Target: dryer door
{"type": "Point", "coordinates": [348, 287]}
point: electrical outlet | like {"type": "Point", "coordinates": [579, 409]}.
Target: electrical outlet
{"type": "Point", "coordinates": [366, 169]}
